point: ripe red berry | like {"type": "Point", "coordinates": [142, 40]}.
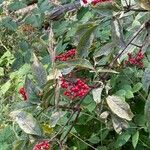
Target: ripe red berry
{"type": "Point", "coordinates": [135, 60]}
{"type": "Point", "coordinates": [44, 145]}
{"type": "Point", "coordinates": [23, 93]}
{"type": "Point", "coordinates": [66, 56]}
{"type": "Point", "coordinates": [76, 89]}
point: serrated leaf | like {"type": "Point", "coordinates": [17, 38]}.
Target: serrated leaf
{"type": "Point", "coordinates": [39, 71]}
{"type": "Point", "coordinates": [146, 79]}
{"type": "Point", "coordinates": [119, 124]}
{"type": "Point", "coordinates": [104, 50]}
{"type": "Point", "coordinates": [85, 42]}
{"type": "Point", "coordinates": [82, 29]}
{"type": "Point", "coordinates": [135, 139]}
{"type": "Point", "coordinates": [97, 94]}
{"type": "Point", "coordinates": [84, 63]}
{"type": "Point", "coordinates": [26, 122]}
{"type": "Point", "coordinates": [119, 107]}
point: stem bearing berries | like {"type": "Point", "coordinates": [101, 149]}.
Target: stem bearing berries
{"type": "Point", "coordinates": [135, 60]}
{"type": "Point", "coordinates": [23, 93]}
{"type": "Point", "coordinates": [44, 145]}
{"type": "Point", "coordinates": [76, 89]}
{"type": "Point", "coordinates": [66, 56]}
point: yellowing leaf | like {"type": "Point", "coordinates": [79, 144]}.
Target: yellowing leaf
{"type": "Point", "coordinates": [118, 123]}
{"type": "Point", "coordinates": [47, 129]}
{"type": "Point", "coordinates": [119, 107]}
{"type": "Point", "coordinates": [26, 122]}
{"type": "Point", "coordinates": [97, 94]}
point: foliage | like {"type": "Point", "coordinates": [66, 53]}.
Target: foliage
{"type": "Point", "coordinates": [113, 113]}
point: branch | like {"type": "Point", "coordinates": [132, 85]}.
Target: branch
{"type": "Point", "coordinates": [122, 51]}
{"type": "Point", "coordinates": [58, 11]}
{"type": "Point", "coordinates": [74, 122]}
{"type": "Point", "coordinates": [130, 41]}
{"type": "Point", "coordinates": [53, 14]}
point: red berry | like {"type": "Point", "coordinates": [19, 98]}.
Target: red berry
{"type": "Point", "coordinates": [44, 145]}
{"type": "Point", "coordinates": [135, 60]}
{"type": "Point", "coordinates": [23, 93]}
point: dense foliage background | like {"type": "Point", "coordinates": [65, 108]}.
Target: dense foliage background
{"type": "Point", "coordinates": [112, 58]}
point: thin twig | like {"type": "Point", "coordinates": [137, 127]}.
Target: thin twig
{"type": "Point", "coordinates": [130, 41]}
{"type": "Point", "coordinates": [74, 122]}
{"type": "Point", "coordinates": [63, 126]}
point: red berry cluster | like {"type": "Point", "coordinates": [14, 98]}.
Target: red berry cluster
{"type": "Point", "coordinates": [135, 60]}
{"type": "Point", "coordinates": [94, 2]}
{"type": "Point", "coordinates": [75, 89]}
{"type": "Point", "coordinates": [44, 145]}
{"type": "Point", "coordinates": [23, 93]}
{"type": "Point", "coordinates": [65, 56]}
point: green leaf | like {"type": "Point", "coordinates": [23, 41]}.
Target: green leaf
{"type": "Point", "coordinates": [20, 145]}
{"type": "Point", "coordinates": [105, 8]}
{"type": "Point", "coordinates": [34, 20]}
{"type": "Point", "coordinates": [97, 94]}
{"type": "Point", "coordinates": [82, 29]}
{"type": "Point", "coordinates": [104, 50]}
{"type": "Point", "coordinates": [121, 93]}
{"type": "Point", "coordinates": [39, 71]}
{"type": "Point", "coordinates": [6, 134]}
{"type": "Point", "coordinates": [5, 87]}
{"type": "Point", "coordinates": [85, 42]}
{"type": "Point", "coordinates": [84, 63]}
{"type": "Point", "coordinates": [55, 117]}
{"type": "Point", "coordinates": [1, 71]}
{"type": "Point", "coordinates": [32, 91]}
{"type": "Point", "coordinates": [135, 139]}
{"type": "Point", "coordinates": [94, 139]}
{"type": "Point", "coordinates": [106, 70]}
{"type": "Point", "coordinates": [9, 24]}
{"type": "Point", "coordinates": [16, 5]}
{"type": "Point", "coordinates": [122, 139]}
{"type": "Point", "coordinates": [119, 107]}
{"type": "Point", "coordinates": [147, 112]}
{"type": "Point", "coordinates": [146, 79]}
{"type": "Point", "coordinates": [129, 94]}
{"type": "Point", "coordinates": [26, 122]}
{"type": "Point", "coordinates": [137, 87]}
{"type": "Point", "coordinates": [117, 33]}
{"type": "Point", "coordinates": [145, 141]}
